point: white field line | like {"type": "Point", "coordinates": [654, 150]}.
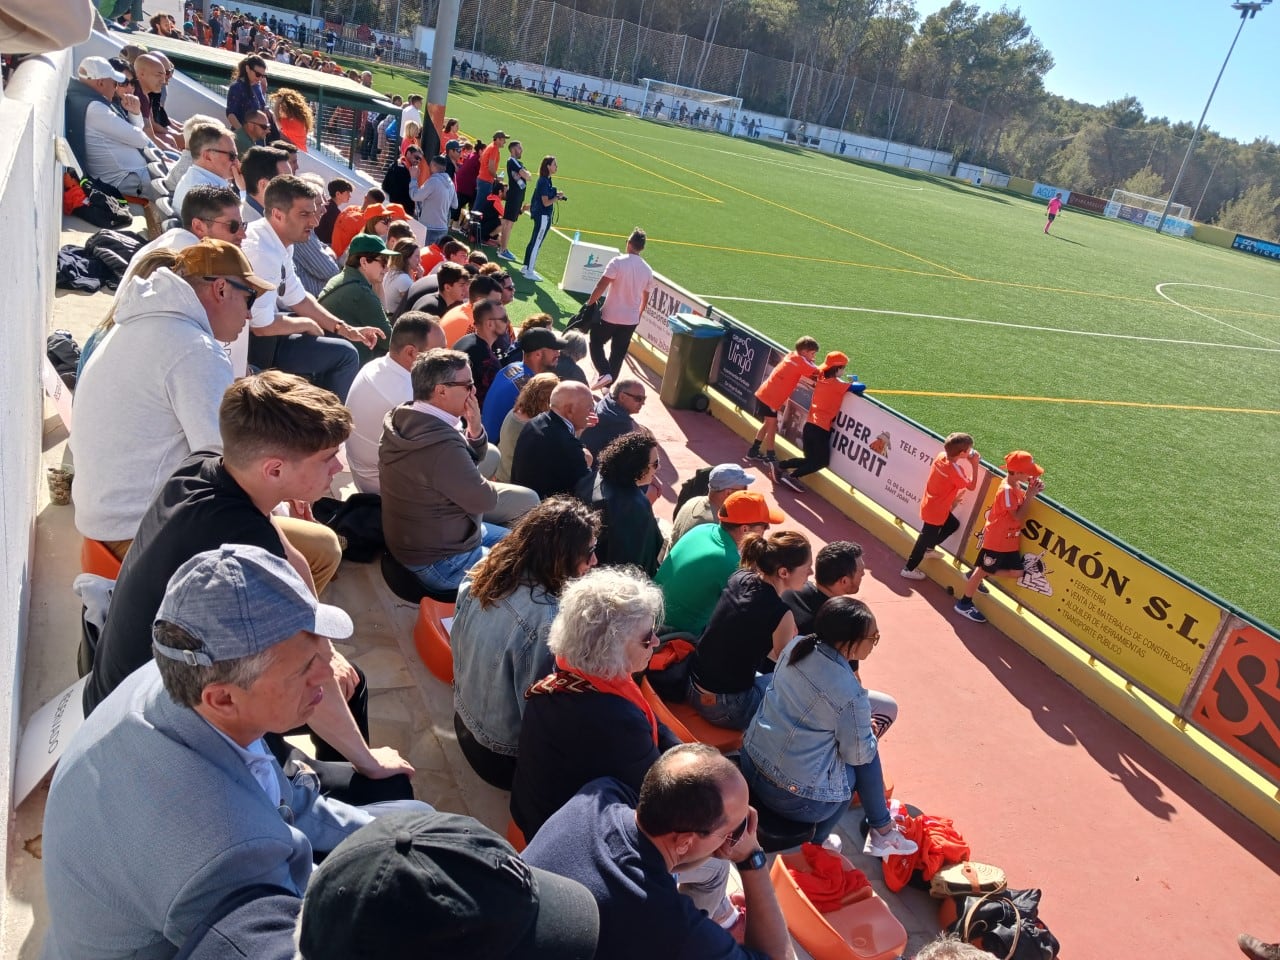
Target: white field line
{"type": "Point", "coordinates": [1173, 283]}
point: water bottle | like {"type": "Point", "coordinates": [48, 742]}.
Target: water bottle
{"type": "Point", "coordinates": [577, 235]}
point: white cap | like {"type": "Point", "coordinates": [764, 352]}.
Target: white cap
{"type": "Point", "coordinates": [99, 68]}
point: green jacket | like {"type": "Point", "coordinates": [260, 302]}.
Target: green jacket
{"type": "Point", "coordinates": [350, 297]}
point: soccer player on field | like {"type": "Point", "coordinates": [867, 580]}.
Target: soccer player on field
{"type": "Point", "coordinates": [1054, 206]}
{"type": "Point", "coordinates": [773, 393]}
{"type": "Point", "coordinates": [1003, 532]}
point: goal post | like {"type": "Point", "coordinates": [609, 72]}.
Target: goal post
{"type": "Point", "coordinates": [1146, 211]}
{"type": "Point", "coordinates": [675, 103]}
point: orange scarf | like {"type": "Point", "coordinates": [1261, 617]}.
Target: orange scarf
{"type": "Point", "coordinates": [625, 688]}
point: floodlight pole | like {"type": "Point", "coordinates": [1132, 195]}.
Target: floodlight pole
{"type": "Point", "coordinates": [1248, 10]}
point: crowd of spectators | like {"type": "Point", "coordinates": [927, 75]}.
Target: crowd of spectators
{"type": "Point", "coordinates": [504, 484]}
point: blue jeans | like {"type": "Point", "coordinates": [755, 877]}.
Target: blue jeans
{"type": "Point", "coordinates": [328, 362]}
{"type": "Point", "coordinates": [481, 203]}
{"type": "Point", "coordinates": [731, 710]}
{"type": "Point", "coordinates": [866, 778]}
{"type": "Point", "coordinates": [433, 234]}
{"type": "Point", "coordinates": [448, 572]}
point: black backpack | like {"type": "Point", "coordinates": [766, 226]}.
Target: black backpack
{"type": "Point", "coordinates": [115, 248]}
{"type": "Point", "coordinates": [358, 520]}
{"type": "Point", "coordinates": [104, 206]}
{"type": "Point", "coordinates": [699, 485]}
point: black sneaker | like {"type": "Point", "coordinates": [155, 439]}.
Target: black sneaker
{"type": "Point", "coordinates": [770, 457]}
{"type": "Point", "coordinates": [787, 480]}
{"type": "Point", "coordinates": [755, 453]}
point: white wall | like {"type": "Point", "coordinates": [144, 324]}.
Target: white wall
{"type": "Point", "coordinates": [31, 111]}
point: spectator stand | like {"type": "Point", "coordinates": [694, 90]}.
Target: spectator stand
{"type": "Point", "coordinates": [338, 103]}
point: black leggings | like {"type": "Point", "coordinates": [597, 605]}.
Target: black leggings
{"type": "Point", "coordinates": [931, 534]}
{"type": "Point", "coordinates": [618, 337]}
{"type": "Point", "coordinates": [817, 452]}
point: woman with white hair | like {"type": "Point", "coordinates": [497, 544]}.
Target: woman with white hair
{"type": "Point", "coordinates": [588, 718]}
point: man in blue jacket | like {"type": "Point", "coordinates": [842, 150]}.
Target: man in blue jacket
{"type": "Point", "coordinates": [167, 800]}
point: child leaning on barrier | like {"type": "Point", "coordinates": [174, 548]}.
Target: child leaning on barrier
{"type": "Point", "coordinates": [947, 484]}
{"type": "Point", "coordinates": [1003, 531]}
{"type": "Point", "coordinates": [773, 393]}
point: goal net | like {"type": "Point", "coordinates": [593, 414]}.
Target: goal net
{"type": "Point", "coordinates": [674, 103]}
{"type": "Point", "coordinates": [1146, 211]}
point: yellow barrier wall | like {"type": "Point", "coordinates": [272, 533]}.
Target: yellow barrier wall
{"type": "Point", "coordinates": [1021, 185]}
{"type": "Point", "coordinates": [1214, 235]}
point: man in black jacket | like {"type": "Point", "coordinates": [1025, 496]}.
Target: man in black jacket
{"type": "Point", "coordinates": [549, 457]}
{"type": "Point", "coordinates": [400, 174]}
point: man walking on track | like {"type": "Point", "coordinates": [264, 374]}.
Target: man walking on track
{"type": "Point", "coordinates": [628, 280]}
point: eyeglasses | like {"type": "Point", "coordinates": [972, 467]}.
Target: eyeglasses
{"type": "Point", "coordinates": [235, 157]}
{"type": "Point", "coordinates": [591, 550]}
{"type": "Point", "coordinates": [637, 397]}
{"type": "Point", "coordinates": [874, 638]}
{"type": "Point", "coordinates": [250, 294]}
{"type": "Point", "coordinates": [469, 384]}
{"type": "Point", "coordinates": [232, 226]}
{"type": "Point", "coordinates": [651, 639]}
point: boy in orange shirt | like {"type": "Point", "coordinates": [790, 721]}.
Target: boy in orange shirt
{"type": "Point", "coordinates": [947, 482]}
{"type": "Point", "coordinates": [828, 394]}
{"type": "Point", "coordinates": [773, 393]}
{"type": "Point", "coordinates": [1003, 532]}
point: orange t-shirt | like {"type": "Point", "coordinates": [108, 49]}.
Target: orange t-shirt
{"type": "Point", "coordinates": [1003, 530]}
{"type": "Point", "coordinates": [946, 481]}
{"type": "Point", "coordinates": [430, 257]}
{"type": "Point", "coordinates": [458, 322]}
{"type": "Point", "coordinates": [828, 394]}
{"type": "Point", "coordinates": [295, 131]}
{"type": "Point", "coordinates": [489, 163]}
{"type": "Point", "coordinates": [350, 222]}
{"type": "Point", "coordinates": [783, 378]}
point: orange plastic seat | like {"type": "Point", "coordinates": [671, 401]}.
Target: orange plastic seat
{"type": "Point", "coordinates": [431, 638]}
{"type": "Point", "coordinates": [866, 930]}
{"type": "Point", "coordinates": [97, 559]}
{"type": "Point", "coordinates": [686, 723]}
{"type": "Point", "coordinates": [515, 837]}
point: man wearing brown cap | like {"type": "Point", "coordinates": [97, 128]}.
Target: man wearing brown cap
{"type": "Point", "coordinates": [149, 395]}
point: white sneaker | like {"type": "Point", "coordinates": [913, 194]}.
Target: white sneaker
{"type": "Point", "coordinates": [833, 843]}
{"type": "Point", "coordinates": [532, 275]}
{"type": "Point", "coordinates": [888, 844]}
{"type": "Point", "coordinates": [912, 574]}
{"type": "Point", "coordinates": [602, 381]}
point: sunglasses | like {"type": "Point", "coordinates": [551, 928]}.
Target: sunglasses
{"type": "Point", "coordinates": [637, 397]}
{"type": "Point", "coordinates": [651, 639]}
{"type": "Point", "coordinates": [250, 293]}
{"type": "Point", "coordinates": [732, 838]}
{"type": "Point", "coordinates": [235, 157]}
{"type": "Point", "coordinates": [232, 225]}
{"type": "Point", "coordinates": [258, 74]}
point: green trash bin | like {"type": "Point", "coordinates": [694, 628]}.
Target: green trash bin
{"type": "Point", "coordinates": [693, 348]}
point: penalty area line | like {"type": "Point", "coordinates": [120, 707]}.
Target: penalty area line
{"type": "Point", "coordinates": [712, 298]}
{"type": "Point", "coordinates": [1081, 400]}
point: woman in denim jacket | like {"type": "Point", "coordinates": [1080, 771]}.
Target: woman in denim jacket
{"type": "Point", "coordinates": [811, 743]}
{"type": "Point", "coordinates": [499, 634]}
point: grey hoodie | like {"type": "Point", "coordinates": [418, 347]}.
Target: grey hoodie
{"type": "Point", "coordinates": [148, 397]}
{"type": "Point", "coordinates": [433, 496]}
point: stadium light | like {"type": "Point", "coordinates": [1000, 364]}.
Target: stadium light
{"type": "Point", "coordinates": [1248, 10]}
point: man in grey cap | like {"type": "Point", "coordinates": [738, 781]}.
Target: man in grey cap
{"type": "Point", "coordinates": [725, 479]}
{"type": "Point", "coordinates": [167, 800]}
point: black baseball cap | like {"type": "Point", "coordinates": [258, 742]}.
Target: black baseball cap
{"type": "Point", "coordinates": [441, 885]}
{"type": "Point", "coordinates": [540, 338]}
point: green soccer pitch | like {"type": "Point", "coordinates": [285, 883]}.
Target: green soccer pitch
{"type": "Point", "coordinates": [1141, 370]}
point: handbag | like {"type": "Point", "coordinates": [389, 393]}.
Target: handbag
{"type": "Point", "coordinates": [1007, 924]}
{"type": "Point", "coordinates": [965, 878]}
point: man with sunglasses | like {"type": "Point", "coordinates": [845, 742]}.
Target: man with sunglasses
{"type": "Point", "coordinates": [149, 395]}
{"type": "Point", "coordinates": [615, 414]}
{"type": "Point", "coordinates": [214, 161]}
{"type": "Point", "coordinates": [254, 132]}
{"type": "Point", "coordinates": [212, 212]}
{"type": "Point", "coordinates": [632, 851]}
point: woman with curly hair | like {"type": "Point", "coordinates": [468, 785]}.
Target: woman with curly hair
{"type": "Point", "coordinates": [629, 533]}
{"type": "Point", "coordinates": [294, 116]}
{"type": "Point", "coordinates": [499, 635]}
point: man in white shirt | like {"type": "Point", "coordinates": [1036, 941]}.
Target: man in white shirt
{"type": "Point", "coordinates": [628, 280]}
{"type": "Point", "coordinates": [412, 113]}
{"type": "Point", "coordinates": [297, 343]}
{"type": "Point", "coordinates": [214, 161]}
{"type": "Point", "coordinates": [382, 384]}
{"type": "Point", "coordinates": [112, 140]}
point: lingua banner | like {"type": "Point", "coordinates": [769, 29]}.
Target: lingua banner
{"type": "Point", "coordinates": [887, 459]}
{"type": "Point", "coordinates": [1113, 603]}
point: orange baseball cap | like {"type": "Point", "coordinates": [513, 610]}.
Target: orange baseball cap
{"type": "Point", "coordinates": [745, 508]}
{"type": "Point", "coordinates": [1019, 461]}
{"type": "Point", "coordinates": [394, 211]}
{"type": "Point", "coordinates": [375, 211]}
{"type": "Point", "coordinates": [833, 360]}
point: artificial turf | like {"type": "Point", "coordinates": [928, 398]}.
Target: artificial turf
{"type": "Point", "coordinates": [958, 291]}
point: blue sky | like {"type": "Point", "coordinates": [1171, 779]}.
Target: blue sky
{"type": "Point", "coordinates": [1165, 53]}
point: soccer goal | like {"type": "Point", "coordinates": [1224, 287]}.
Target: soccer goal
{"type": "Point", "coordinates": [675, 103]}
{"type": "Point", "coordinates": [1145, 211]}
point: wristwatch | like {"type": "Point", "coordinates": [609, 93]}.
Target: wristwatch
{"type": "Point", "coordinates": [753, 862]}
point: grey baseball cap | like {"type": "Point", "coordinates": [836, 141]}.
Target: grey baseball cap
{"type": "Point", "coordinates": [729, 476]}
{"type": "Point", "coordinates": [239, 601]}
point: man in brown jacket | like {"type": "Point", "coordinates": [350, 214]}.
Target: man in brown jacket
{"type": "Point", "coordinates": [433, 495]}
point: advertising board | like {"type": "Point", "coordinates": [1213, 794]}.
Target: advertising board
{"type": "Point", "coordinates": [1240, 702]}
{"type": "Point", "coordinates": [665, 298]}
